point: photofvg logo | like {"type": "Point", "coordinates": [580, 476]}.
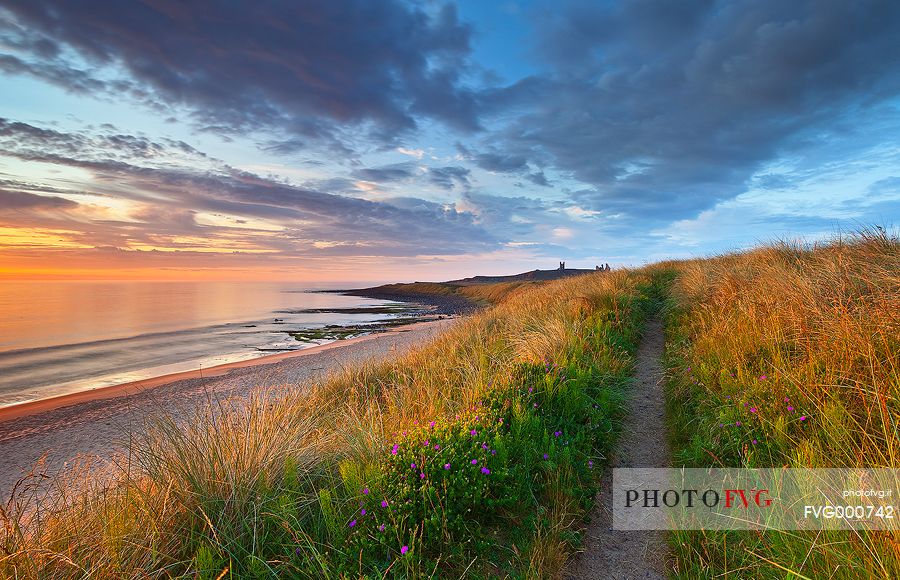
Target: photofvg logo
{"type": "Point", "coordinates": [740, 499]}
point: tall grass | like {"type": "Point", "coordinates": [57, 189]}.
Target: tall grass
{"type": "Point", "coordinates": [530, 389]}
{"type": "Point", "coordinates": [788, 355]}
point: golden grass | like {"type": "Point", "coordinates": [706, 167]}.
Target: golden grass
{"type": "Point", "coordinates": [189, 485]}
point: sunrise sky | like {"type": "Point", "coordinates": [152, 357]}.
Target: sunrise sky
{"type": "Point", "coordinates": [341, 140]}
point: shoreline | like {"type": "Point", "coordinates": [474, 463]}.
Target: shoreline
{"type": "Point", "coordinates": [29, 408]}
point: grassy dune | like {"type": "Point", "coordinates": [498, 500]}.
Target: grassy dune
{"type": "Point", "coordinates": [473, 455]}
{"type": "Point", "coordinates": [787, 356]}
{"type": "Point", "coordinates": [478, 455]}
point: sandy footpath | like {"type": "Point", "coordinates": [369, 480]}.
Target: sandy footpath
{"type": "Point", "coordinates": [97, 422]}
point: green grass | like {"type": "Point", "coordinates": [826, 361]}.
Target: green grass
{"type": "Point", "coordinates": [787, 356]}
{"type": "Point", "coordinates": [270, 488]}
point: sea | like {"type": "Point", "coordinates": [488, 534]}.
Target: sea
{"type": "Point", "coordinates": [61, 337]}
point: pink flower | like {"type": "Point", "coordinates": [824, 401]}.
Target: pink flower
{"type": "Point", "coordinates": [803, 418]}
{"type": "Point", "coordinates": [790, 408]}
{"type": "Point", "coordinates": [421, 476]}
{"type": "Point", "coordinates": [474, 462]}
{"type": "Point", "coordinates": [754, 442]}
{"type": "Point", "coordinates": [473, 432]}
{"type": "Point", "coordinates": [381, 528]}
{"type": "Point", "coordinates": [737, 424]}
{"type": "Point", "coordinates": [763, 377]}
{"type": "Point", "coordinates": [384, 503]}
{"type": "Point", "coordinates": [412, 465]}
{"type": "Point", "coordinates": [431, 425]}
{"type": "Point", "coordinates": [394, 450]}
{"type": "Point", "coordinates": [446, 466]}
{"type": "Point", "coordinates": [752, 409]}
{"type": "Point", "coordinates": [437, 447]}
{"type": "Point", "coordinates": [404, 550]}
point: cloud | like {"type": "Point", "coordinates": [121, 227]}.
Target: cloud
{"type": "Point", "coordinates": [448, 177]}
{"type": "Point", "coordinates": [168, 195]}
{"type": "Point", "coordinates": [385, 173]}
{"type": "Point", "coordinates": [19, 200]}
{"type": "Point", "coordinates": [302, 70]}
{"type": "Point", "coordinates": [661, 109]}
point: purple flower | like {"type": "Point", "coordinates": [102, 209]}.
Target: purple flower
{"type": "Point", "coordinates": [790, 408]}
{"type": "Point", "coordinates": [473, 432]}
{"type": "Point", "coordinates": [557, 433]}
{"type": "Point", "coordinates": [365, 491]}
{"type": "Point", "coordinates": [421, 476]}
{"type": "Point", "coordinates": [484, 446]}
{"type": "Point", "coordinates": [485, 471]}
{"type": "Point", "coordinates": [431, 425]}
{"type": "Point", "coordinates": [297, 551]}
{"type": "Point", "coordinates": [426, 443]}
{"type": "Point", "coordinates": [786, 399]}
{"type": "Point", "coordinates": [394, 450]}
{"type": "Point", "coordinates": [352, 523]}
{"type": "Point", "coordinates": [404, 550]}
{"type": "Point", "coordinates": [755, 441]}
{"type": "Point", "coordinates": [763, 377]}
{"type": "Point", "coordinates": [446, 466]}
{"type": "Point", "coordinates": [381, 528]}
{"type": "Point", "coordinates": [437, 447]}
{"type": "Point", "coordinates": [721, 424]}
{"type": "Point", "coordinates": [412, 465]}
{"type": "Point", "coordinates": [590, 464]}
{"type": "Point", "coordinates": [803, 418]}
{"type": "Point", "coordinates": [474, 462]}
{"type": "Point", "coordinates": [493, 452]}
{"type": "Point", "coordinates": [535, 405]}
{"type": "Point", "coordinates": [737, 424]}
{"type": "Point", "coordinates": [530, 389]}
{"type": "Point", "coordinates": [384, 503]}
{"type": "Point", "coordinates": [752, 409]}
{"type": "Point", "coordinates": [362, 512]}
{"type": "Point", "coordinates": [546, 456]}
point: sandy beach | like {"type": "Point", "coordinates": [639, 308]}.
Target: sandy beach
{"type": "Point", "coordinates": [97, 422]}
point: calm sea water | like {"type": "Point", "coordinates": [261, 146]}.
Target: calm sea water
{"type": "Point", "coordinates": [62, 337]}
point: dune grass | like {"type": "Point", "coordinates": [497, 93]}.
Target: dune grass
{"type": "Point", "coordinates": [788, 355]}
{"type": "Point", "coordinates": [475, 455]}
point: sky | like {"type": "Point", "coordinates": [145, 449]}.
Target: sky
{"type": "Point", "coordinates": [349, 140]}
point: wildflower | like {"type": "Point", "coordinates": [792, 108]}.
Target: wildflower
{"type": "Point", "coordinates": [474, 462]}
{"type": "Point", "coordinates": [415, 422]}
{"type": "Point", "coordinates": [384, 503]}
{"type": "Point", "coordinates": [446, 466]}
{"type": "Point", "coordinates": [404, 550]}
{"type": "Point", "coordinates": [737, 424]}
{"type": "Point", "coordinates": [493, 452]}
{"type": "Point", "coordinates": [752, 409]}
{"type": "Point", "coordinates": [535, 405]}
{"type": "Point", "coordinates": [803, 418]}
{"type": "Point", "coordinates": [362, 512]}
{"type": "Point", "coordinates": [721, 424]}
{"type": "Point", "coordinates": [557, 433]}
{"type": "Point", "coordinates": [763, 377]}
{"type": "Point", "coordinates": [394, 450]}
{"type": "Point", "coordinates": [437, 447]}
{"type": "Point", "coordinates": [755, 441]}
{"type": "Point", "coordinates": [786, 399]}
{"type": "Point", "coordinates": [412, 465]}
{"type": "Point", "coordinates": [546, 456]}
{"type": "Point", "coordinates": [422, 476]}
{"type": "Point", "coordinates": [473, 432]}
{"type": "Point", "coordinates": [484, 446]}
{"type": "Point", "coordinates": [431, 425]}
{"type": "Point", "coordinates": [485, 471]}
{"type": "Point", "coordinates": [790, 408]}
{"type": "Point", "coordinates": [365, 491]}
{"type": "Point", "coordinates": [530, 389]}
{"type": "Point", "coordinates": [425, 444]}
{"type": "Point", "coordinates": [381, 528]}
{"type": "Point", "coordinates": [352, 523]}
{"type": "Point", "coordinates": [590, 464]}
{"type": "Point", "coordinates": [297, 551]}
{"type": "Point", "coordinates": [404, 433]}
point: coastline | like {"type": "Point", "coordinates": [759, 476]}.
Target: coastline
{"type": "Point", "coordinates": [29, 408]}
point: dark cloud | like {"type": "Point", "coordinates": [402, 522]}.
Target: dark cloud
{"type": "Point", "coordinates": [19, 200]}
{"type": "Point", "coordinates": [448, 177]}
{"type": "Point", "coordinates": [386, 173]}
{"type": "Point", "coordinates": [664, 108]}
{"type": "Point", "coordinates": [303, 69]}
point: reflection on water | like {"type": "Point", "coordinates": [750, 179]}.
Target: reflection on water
{"type": "Point", "coordinates": [60, 337]}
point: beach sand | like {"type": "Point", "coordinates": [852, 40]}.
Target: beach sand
{"type": "Point", "coordinates": [96, 423]}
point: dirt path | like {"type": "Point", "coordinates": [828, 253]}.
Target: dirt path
{"type": "Point", "coordinates": [631, 555]}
